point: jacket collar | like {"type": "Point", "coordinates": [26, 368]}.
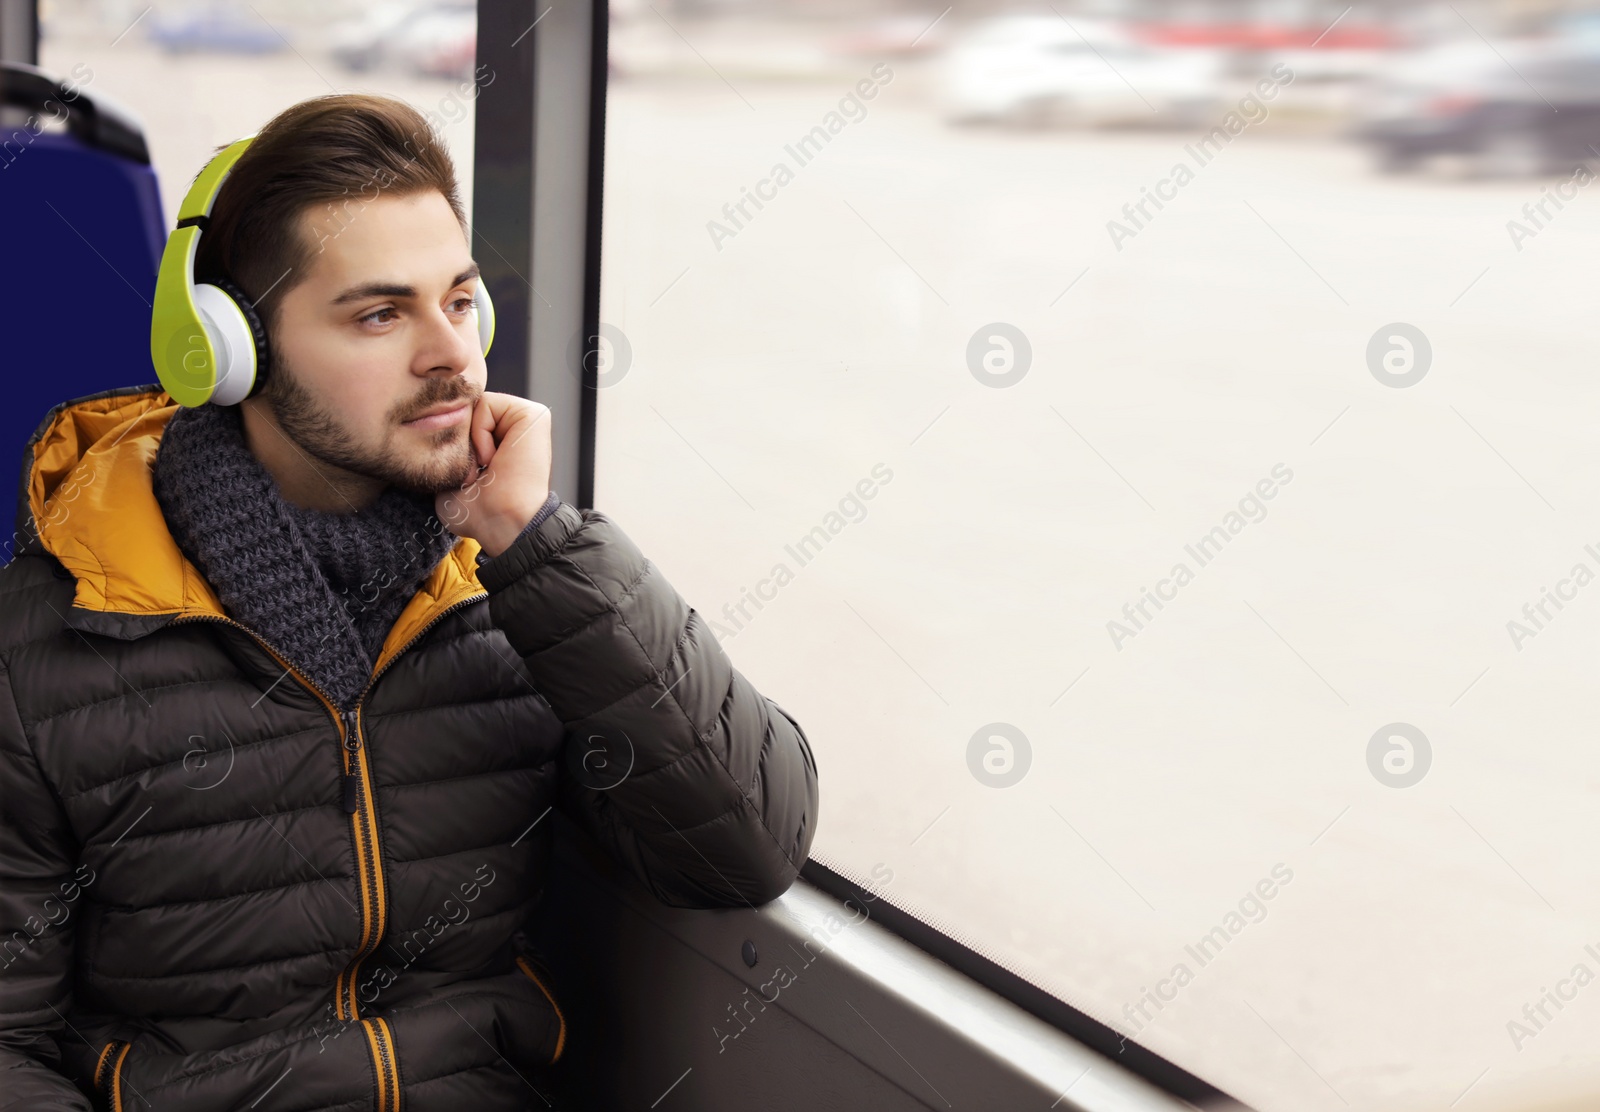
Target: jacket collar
{"type": "Point", "coordinates": [91, 502]}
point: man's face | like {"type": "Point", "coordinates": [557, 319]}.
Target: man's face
{"type": "Point", "coordinates": [379, 330]}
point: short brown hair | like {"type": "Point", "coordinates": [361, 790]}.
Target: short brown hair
{"type": "Point", "coordinates": [347, 147]}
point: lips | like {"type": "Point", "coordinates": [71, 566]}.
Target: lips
{"type": "Point", "coordinates": [438, 417]}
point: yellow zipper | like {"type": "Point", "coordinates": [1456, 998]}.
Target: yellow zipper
{"type": "Point", "coordinates": [357, 796]}
{"type": "Point", "coordinates": [100, 1065]}
{"type": "Point", "coordinates": [363, 822]}
{"type": "Point", "coordinates": [381, 1041]}
{"type": "Point", "coordinates": [116, 1079]}
{"type": "Point", "coordinates": [114, 1087]}
{"type": "Point", "coordinates": [561, 1038]}
{"type": "Point", "coordinates": [359, 780]}
{"type": "Point", "coordinates": [364, 827]}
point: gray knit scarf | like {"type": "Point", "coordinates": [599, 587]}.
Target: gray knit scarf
{"type": "Point", "coordinates": [323, 589]}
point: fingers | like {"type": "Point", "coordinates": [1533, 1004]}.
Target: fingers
{"type": "Point", "coordinates": [497, 416]}
{"type": "Point", "coordinates": [482, 429]}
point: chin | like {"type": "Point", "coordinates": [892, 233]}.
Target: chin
{"type": "Point", "coordinates": [446, 470]}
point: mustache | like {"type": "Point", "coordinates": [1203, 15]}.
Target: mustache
{"type": "Point", "coordinates": [428, 401]}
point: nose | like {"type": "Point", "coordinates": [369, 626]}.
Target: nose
{"type": "Point", "coordinates": [445, 342]}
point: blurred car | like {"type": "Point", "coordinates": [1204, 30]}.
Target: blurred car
{"type": "Point", "coordinates": [1040, 70]}
{"type": "Point", "coordinates": [359, 43]}
{"type": "Point", "coordinates": [1532, 111]}
{"type": "Point", "coordinates": [898, 36]}
{"type": "Point", "coordinates": [393, 32]}
{"type": "Point", "coordinates": [441, 43]}
{"type": "Point", "coordinates": [454, 58]}
{"type": "Point", "coordinates": [216, 28]}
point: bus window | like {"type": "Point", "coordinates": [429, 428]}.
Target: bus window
{"type": "Point", "coordinates": [1151, 447]}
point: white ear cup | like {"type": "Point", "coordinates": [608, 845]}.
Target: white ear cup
{"type": "Point", "coordinates": [232, 340]}
{"type": "Point", "coordinates": [485, 311]}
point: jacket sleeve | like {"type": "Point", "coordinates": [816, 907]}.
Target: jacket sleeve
{"type": "Point", "coordinates": [702, 786]}
{"type": "Point", "coordinates": [37, 920]}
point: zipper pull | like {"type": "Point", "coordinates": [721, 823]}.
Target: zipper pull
{"type": "Point", "coordinates": [352, 782]}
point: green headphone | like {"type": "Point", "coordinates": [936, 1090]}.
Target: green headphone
{"type": "Point", "coordinates": [206, 340]}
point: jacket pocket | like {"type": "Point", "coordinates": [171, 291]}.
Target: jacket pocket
{"type": "Point", "coordinates": [108, 1075]}
{"type": "Point", "coordinates": [539, 975]}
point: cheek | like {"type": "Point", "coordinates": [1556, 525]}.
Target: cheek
{"type": "Point", "coordinates": [354, 381]}
{"type": "Point", "coordinates": [361, 380]}
{"type": "Point", "coordinates": [349, 375]}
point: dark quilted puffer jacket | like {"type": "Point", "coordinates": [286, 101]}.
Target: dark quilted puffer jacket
{"type": "Point", "coordinates": [217, 891]}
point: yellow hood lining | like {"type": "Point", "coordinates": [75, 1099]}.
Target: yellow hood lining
{"type": "Point", "coordinates": [94, 506]}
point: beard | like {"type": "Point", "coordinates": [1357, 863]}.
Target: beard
{"type": "Point", "coordinates": [445, 465]}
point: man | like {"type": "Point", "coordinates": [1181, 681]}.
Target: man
{"type": "Point", "coordinates": [276, 744]}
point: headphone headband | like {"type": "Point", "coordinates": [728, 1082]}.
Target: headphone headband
{"type": "Point", "coordinates": [206, 341]}
{"type": "Point", "coordinates": [208, 182]}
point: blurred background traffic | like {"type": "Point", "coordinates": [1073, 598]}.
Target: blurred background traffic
{"type": "Point", "coordinates": [1480, 88]}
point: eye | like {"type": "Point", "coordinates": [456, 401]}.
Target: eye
{"type": "Point", "coordinates": [372, 316]}
{"type": "Point", "coordinates": [464, 304]}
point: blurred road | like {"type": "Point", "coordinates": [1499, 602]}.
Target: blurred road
{"type": "Point", "coordinates": [1174, 765]}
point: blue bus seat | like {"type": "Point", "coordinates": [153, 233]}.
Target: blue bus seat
{"type": "Point", "coordinates": [84, 234]}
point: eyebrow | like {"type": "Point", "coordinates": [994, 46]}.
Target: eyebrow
{"type": "Point", "coordinates": [394, 289]}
